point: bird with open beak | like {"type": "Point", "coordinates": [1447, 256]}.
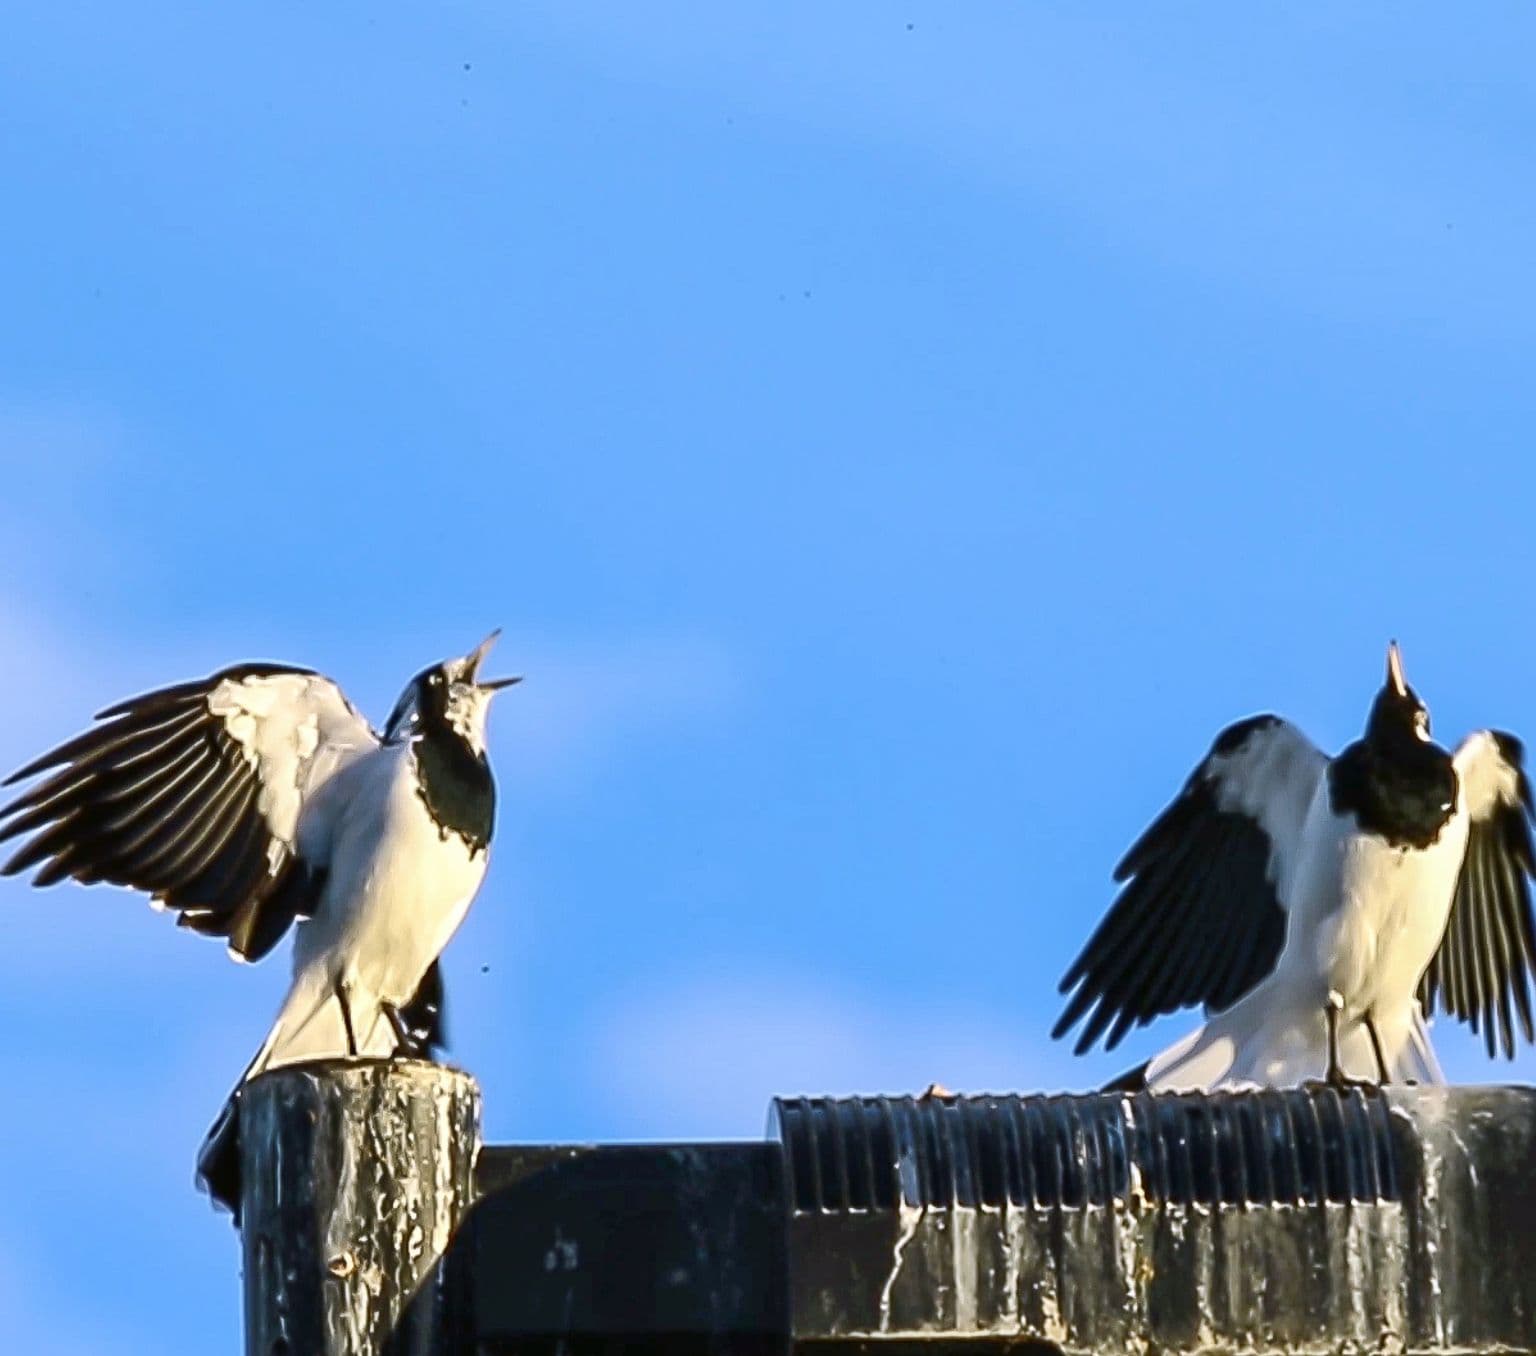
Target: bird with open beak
{"type": "Point", "coordinates": [257, 799]}
{"type": "Point", "coordinates": [1319, 907]}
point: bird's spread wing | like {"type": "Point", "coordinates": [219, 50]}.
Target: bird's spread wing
{"type": "Point", "coordinates": [1481, 971]}
{"type": "Point", "coordinates": [193, 794]}
{"type": "Point", "coordinates": [1201, 918]}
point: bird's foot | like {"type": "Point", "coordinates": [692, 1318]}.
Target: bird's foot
{"type": "Point", "coordinates": [406, 1044]}
{"type": "Point", "coordinates": [1339, 1081]}
{"type": "Point", "coordinates": [1343, 1083]}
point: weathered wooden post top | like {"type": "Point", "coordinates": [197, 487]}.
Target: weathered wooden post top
{"type": "Point", "coordinates": [1311, 1220]}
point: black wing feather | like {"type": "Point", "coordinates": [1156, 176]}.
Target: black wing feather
{"type": "Point", "coordinates": [1123, 949]}
{"type": "Point", "coordinates": [1482, 969]}
{"type": "Point", "coordinates": [119, 742]}
{"type": "Point", "coordinates": [1142, 969]}
{"type": "Point", "coordinates": [1198, 919]}
{"type": "Point", "coordinates": [161, 797]}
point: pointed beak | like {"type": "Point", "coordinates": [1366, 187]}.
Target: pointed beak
{"type": "Point", "coordinates": [473, 660]}
{"type": "Point", "coordinates": [1395, 678]}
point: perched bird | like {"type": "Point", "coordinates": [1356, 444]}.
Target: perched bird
{"type": "Point", "coordinates": [258, 798]}
{"type": "Point", "coordinates": [1319, 907]}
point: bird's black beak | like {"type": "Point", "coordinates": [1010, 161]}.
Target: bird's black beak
{"type": "Point", "coordinates": [1395, 679]}
{"type": "Point", "coordinates": [473, 660]}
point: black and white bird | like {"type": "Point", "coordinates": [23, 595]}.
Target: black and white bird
{"type": "Point", "coordinates": [1319, 907]}
{"type": "Point", "coordinates": [259, 798]}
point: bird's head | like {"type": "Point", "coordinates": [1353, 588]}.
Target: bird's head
{"type": "Point", "coordinates": [1398, 713]}
{"type": "Point", "coordinates": [448, 696]}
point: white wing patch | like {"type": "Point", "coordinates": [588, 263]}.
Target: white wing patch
{"type": "Point", "coordinates": [281, 722]}
{"type": "Point", "coordinates": [1271, 777]}
{"type": "Point", "coordinates": [196, 794]}
{"type": "Point", "coordinates": [1200, 915]}
{"type": "Point", "coordinates": [1487, 778]}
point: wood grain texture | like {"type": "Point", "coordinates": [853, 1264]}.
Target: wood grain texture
{"type": "Point", "coordinates": [355, 1175]}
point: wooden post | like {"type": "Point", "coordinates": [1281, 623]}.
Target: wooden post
{"type": "Point", "coordinates": [354, 1176]}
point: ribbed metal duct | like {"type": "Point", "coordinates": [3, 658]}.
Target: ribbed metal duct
{"type": "Point", "coordinates": [1300, 1221]}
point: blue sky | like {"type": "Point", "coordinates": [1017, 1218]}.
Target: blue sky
{"type": "Point", "coordinates": [894, 439]}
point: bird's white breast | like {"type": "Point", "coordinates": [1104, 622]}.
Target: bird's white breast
{"type": "Point", "coordinates": [398, 886]}
{"type": "Point", "coordinates": [1366, 916]}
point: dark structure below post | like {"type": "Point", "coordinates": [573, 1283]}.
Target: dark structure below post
{"type": "Point", "coordinates": [1307, 1222]}
{"type": "Point", "coordinates": [355, 1175]}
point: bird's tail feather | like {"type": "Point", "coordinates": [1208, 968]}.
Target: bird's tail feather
{"type": "Point", "coordinates": [311, 1025]}
{"type": "Point", "coordinates": [308, 1026]}
{"type": "Point", "coordinates": [1268, 1040]}
{"type": "Point", "coordinates": [218, 1160]}
{"type": "Point", "coordinates": [1132, 1080]}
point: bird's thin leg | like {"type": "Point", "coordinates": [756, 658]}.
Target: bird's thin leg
{"type": "Point", "coordinates": [1381, 1059]}
{"type": "Point", "coordinates": [346, 1014]}
{"type": "Point", "coordinates": [1332, 1007]}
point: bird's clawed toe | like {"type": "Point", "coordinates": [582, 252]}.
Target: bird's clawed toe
{"type": "Point", "coordinates": [406, 1044]}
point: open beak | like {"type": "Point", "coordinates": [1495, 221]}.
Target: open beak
{"type": "Point", "coordinates": [473, 660]}
{"type": "Point", "coordinates": [1395, 670]}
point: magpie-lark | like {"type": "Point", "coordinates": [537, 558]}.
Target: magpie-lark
{"type": "Point", "coordinates": [1319, 907]}
{"type": "Point", "coordinates": [259, 798]}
